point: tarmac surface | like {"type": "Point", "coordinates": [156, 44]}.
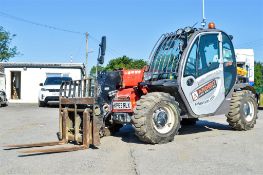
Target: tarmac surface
{"type": "Point", "coordinates": [209, 147]}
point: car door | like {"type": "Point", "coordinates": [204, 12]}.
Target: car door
{"type": "Point", "coordinates": [202, 80]}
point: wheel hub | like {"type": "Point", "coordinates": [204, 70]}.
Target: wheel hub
{"type": "Point", "coordinates": [163, 120]}
{"type": "Point", "coordinates": [160, 118]}
{"type": "Point", "coordinates": [248, 111]}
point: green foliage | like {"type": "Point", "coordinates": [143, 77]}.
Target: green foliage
{"type": "Point", "coordinates": [6, 52]}
{"type": "Point", "coordinates": [119, 63]}
{"type": "Point", "coordinates": [258, 73]}
{"type": "Point", "coordinates": [93, 69]}
{"type": "Point", "coordinates": [138, 64]}
{"type": "Point", "coordinates": [126, 63]}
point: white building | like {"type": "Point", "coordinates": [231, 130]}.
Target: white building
{"type": "Point", "coordinates": [23, 79]}
{"type": "Point", "coordinates": [245, 59]}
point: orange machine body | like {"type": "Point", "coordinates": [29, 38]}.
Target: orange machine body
{"type": "Point", "coordinates": [130, 92]}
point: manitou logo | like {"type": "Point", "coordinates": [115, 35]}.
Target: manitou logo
{"type": "Point", "coordinates": [204, 90]}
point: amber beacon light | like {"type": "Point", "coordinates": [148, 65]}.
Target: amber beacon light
{"type": "Point", "coordinates": [211, 25]}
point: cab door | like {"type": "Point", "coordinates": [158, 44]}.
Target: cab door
{"type": "Point", "coordinates": [202, 79]}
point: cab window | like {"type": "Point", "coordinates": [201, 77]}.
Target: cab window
{"type": "Point", "coordinates": [190, 67]}
{"type": "Point", "coordinates": [203, 56]}
{"type": "Point", "coordinates": [208, 52]}
{"type": "Point", "coordinates": [229, 63]}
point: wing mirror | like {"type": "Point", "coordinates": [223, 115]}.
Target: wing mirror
{"type": "Point", "coordinates": [102, 50]}
{"type": "Point", "coordinates": [40, 84]}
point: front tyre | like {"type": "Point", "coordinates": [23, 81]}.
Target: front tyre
{"type": "Point", "coordinates": [41, 104]}
{"type": "Point", "coordinates": [156, 118]}
{"type": "Point", "coordinates": [243, 110]}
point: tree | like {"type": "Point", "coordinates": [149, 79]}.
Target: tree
{"type": "Point", "coordinates": [258, 72]}
{"type": "Point", "coordinates": [119, 63]}
{"type": "Point", "coordinates": [126, 63]}
{"type": "Point", "coordinates": [138, 64]}
{"type": "Point", "coordinates": [93, 69]}
{"type": "Point", "coordinates": [6, 51]}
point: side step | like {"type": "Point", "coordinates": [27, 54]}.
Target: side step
{"type": "Point", "coordinates": [90, 135]}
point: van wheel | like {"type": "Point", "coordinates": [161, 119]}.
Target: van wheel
{"type": "Point", "coordinates": [156, 118]}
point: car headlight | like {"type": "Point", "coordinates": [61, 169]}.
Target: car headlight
{"type": "Point", "coordinates": [147, 76]}
{"type": "Point", "coordinates": [43, 89]}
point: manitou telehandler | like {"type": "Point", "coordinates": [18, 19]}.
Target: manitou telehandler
{"type": "Point", "coordinates": [192, 73]}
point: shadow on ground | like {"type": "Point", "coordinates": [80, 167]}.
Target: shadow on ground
{"type": "Point", "coordinates": [127, 135]}
{"type": "Point", "coordinates": [203, 126]}
{"type": "Point", "coordinates": [127, 132]}
{"type": "Point", "coordinates": [51, 106]}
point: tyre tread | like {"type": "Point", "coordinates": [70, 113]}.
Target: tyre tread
{"type": "Point", "coordinates": [234, 114]}
{"type": "Point", "coordinates": [141, 111]}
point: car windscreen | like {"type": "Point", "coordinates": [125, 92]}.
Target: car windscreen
{"type": "Point", "coordinates": [56, 80]}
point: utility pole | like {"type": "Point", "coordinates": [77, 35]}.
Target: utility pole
{"type": "Point", "coordinates": [87, 53]}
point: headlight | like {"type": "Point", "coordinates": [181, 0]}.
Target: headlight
{"type": "Point", "coordinates": [43, 89]}
{"type": "Point", "coordinates": [147, 76]}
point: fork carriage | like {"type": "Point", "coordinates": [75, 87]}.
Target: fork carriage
{"type": "Point", "coordinates": [79, 119]}
{"type": "Point", "coordinates": [77, 100]}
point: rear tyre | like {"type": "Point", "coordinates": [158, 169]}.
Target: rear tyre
{"type": "Point", "coordinates": [156, 118]}
{"type": "Point", "coordinates": [114, 128]}
{"type": "Point", "coordinates": [243, 110]}
{"type": "Point", "coordinates": [111, 128]}
{"type": "Point", "coordinates": [41, 104]}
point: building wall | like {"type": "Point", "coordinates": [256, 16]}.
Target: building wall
{"type": "Point", "coordinates": [246, 56]}
{"type": "Point", "coordinates": [30, 80]}
{"type": "Point", "coordinates": [2, 82]}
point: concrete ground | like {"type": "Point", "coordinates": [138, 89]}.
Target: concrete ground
{"type": "Point", "coordinates": [210, 147]}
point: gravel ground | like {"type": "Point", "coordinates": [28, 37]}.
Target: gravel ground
{"type": "Point", "coordinates": [210, 147]}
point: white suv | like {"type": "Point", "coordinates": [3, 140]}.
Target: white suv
{"type": "Point", "coordinates": [49, 92]}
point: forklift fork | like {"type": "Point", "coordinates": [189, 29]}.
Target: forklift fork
{"type": "Point", "coordinates": [89, 127]}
